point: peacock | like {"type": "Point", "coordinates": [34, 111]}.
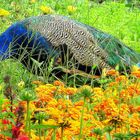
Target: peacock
{"type": "Point", "coordinates": [65, 41]}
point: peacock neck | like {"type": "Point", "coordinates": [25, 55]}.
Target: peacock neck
{"type": "Point", "coordinates": [10, 38]}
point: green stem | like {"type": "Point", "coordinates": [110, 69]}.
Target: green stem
{"type": "Point", "coordinates": [92, 81]}
{"type": "Point", "coordinates": [81, 121]}
{"type": "Point", "coordinates": [67, 65]}
{"type": "Point", "coordinates": [40, 130]}
{"type": "Point", "coordinates": [96, 137]}
{"type": "Point", "coordinates": [54, 134]}
{"type": "Point", "coordinates": [39, 134]}
{"type": "Point", "coordinates": [115, 128]}
{"type": "Point", "coordinates": [62, 132]}
{"type": "Point", "coordinates": [74, 80]}
{"type": "Point", "coordinates": [109, 136]}
{"type": "Point", "coordinates": [28, 119]}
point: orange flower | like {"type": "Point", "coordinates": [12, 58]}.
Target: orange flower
{"type": "Point", "coordinates": [138, 109]}
{"type": "Point", "coordinates": [121, 78]}
{"type": "Point", "coordinates": [133, 89]}
{"type": "Point", "coordinates": [22, 103]}
{"type": "Point", "coordinates": [135, 123]}
{"type": "Point", "coordinates": [124, 94]}
{"type": "Point", "coordinates": [112, 72]}
{"type": "Point", "coordinates": [113, 84]}
{"type": "Point", "coordinates": [58, 83]}
{"type": "Point", "coordinates": [37, 82]}
{"type": "Point", "coordinates": [70, 91]}
{"type": "Point", "coordinates": [79, 103]}
{"type": "Point", "coordinates": [136, 73]}
{"type": "Point", "coordinates": [116, 106]}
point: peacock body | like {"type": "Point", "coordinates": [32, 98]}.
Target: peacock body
{"type": "Point", "coordinates": [47, 36]}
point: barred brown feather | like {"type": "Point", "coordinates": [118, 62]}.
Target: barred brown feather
{"type": "Point", "coordinates": [81, 43]}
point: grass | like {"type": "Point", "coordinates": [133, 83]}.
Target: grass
{"type": "Point", "coordinates": [107, 109]}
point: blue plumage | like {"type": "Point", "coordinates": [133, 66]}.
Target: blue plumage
{"type": "Point", "coordinates": [17, 36]}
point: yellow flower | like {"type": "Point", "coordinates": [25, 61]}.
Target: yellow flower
{"type": "Point", "coordinates": [75, 125]}
{"type": "Point", "coordinates": [33, 1]}
{"type": "Point", "coordinates": [46, 10]}
{"type": "Point", "coordinates": [97, 89]}
{"type": "Point", "coordinates": [71, 9]}
{"type": "Point", "coordinates": [134, 68]}
{"type": "Point", "coordinates": [52, 103]}
{"type": "Point", "coordinates": [4, 13]}
{"type": "Point", "coordinates": [135, 71]}
{"type": "Point", "coordinates": [21, 84]}
{"type": "Point", "coordinates": [33, 135]}
{"type": "Point", "coordinates": [39, 109]}
{"type": "Point", "coordinates": [54, 112]}
{"type": "Point", "coordinates": [74, 113]}
{"type": "Point", "coordinates": [50, 122]}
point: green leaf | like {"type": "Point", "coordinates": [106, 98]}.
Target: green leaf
{"type": "Point", "coordinates": [44, 126]}
{"type": "Point", "coordinates": [12, 120]}
{"type": "Point", "coordinates": [108, 136]}
{"type": "Point", "coordinates": [6, 134]}
{"type": "Point", "coordinates": [94, 66]}
{"type": "Point", "coordinates": [138, 100]}
{"type": "Point", "coordinates": [39, 64]}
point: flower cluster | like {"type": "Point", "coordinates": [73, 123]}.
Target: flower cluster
{"type": "Point", "coordinates": [61, 112]}
{"type": "Point", "coordinates": [48, 10]}
{"type": "Point", "coordinates": [55, 100]}
{"type": "Point", "coordinates": [113, 106]}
